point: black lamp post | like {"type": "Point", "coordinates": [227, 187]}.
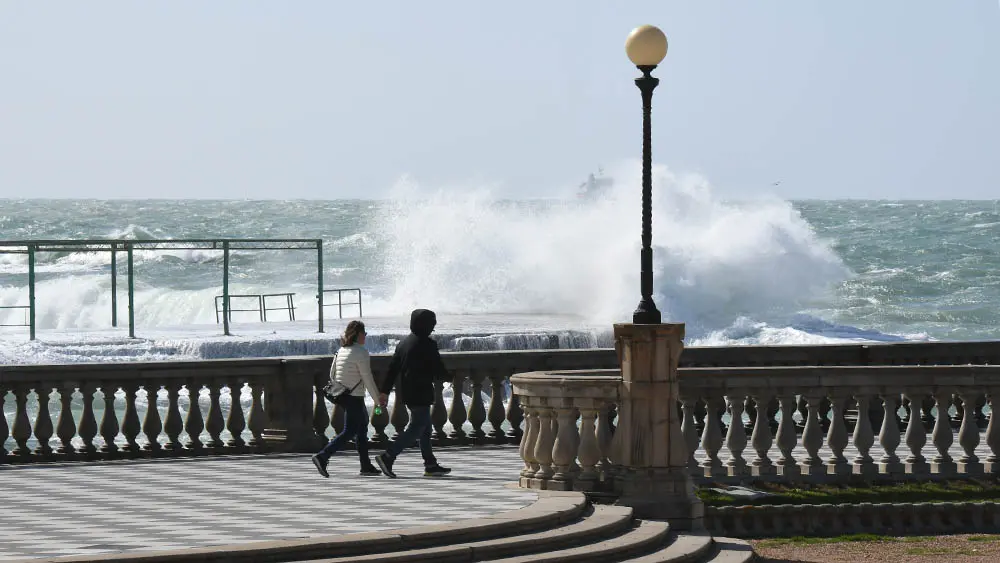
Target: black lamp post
{"type": "Point", "coordinates": [646, 46]}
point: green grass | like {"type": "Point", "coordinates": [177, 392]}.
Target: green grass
{"type": "Point", "coordinates": [803, 540]}
{"type": "Point", "coordinates": [968, 490]}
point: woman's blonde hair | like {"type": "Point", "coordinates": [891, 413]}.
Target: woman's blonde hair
{"type": "Point", "coordinates": [351, 334]}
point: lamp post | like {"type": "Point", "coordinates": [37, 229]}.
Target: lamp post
{"type": "Point", "coordinates": [646, 46]}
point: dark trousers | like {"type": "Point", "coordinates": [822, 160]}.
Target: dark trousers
{"type": "Point", "coordinates": [355, 425]}
{"type": "Point", "coordinates": [419, 428]}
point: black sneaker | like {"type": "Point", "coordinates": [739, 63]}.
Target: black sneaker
{"type": "Point", "coordinates": [370, 471]}
{"type": "Point", "coordinates": [436, 471]}
{"type": "Point", "coordinates": [385, 464]}
{"type": "Point", "coordinates": [320, 466]}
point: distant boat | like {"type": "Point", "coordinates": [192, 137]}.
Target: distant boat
{"type": "Point", "coordinates": [595, 187]}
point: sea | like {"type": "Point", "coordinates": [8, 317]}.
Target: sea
{"type": "Point", "coordinates": [535, 273]}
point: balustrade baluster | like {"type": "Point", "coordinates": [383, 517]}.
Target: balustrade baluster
{"type": "Point", "coordinates": [992, 433]}
{"type": "Point", "coordinates": [4, 429]}
{"type": "Point", "coordinates": [457, 413]}
{"type": "Point", "coordinates": [21, 431]}
{"type": "Point", "coordinates": [258, 416]}
{"type": "Point", "coordinates": [968, 435]}
{"type": "Point", "coordinates": [477, 411]}
{"type": "Point", "coordinates": [864, 439]}
{"type": "Point", "coordinates": [530, 440]}
{"type": "Point", "coordinates": [439, 415]}
{"type": "Point", "coordinates": [711, 438]}
{"type": "Point", "coordinates": [214, 424]}
{"type": "Point", "coordinates": [130, 423]}
{"type": "Point", "coordinates": [321, 416]}
{"type": "Point", "coordinates": [736, 436]}
{"type": "Point", "coordinates": [88, 422]}
{"type": "Point", "coordinates": [546, 438]}
{"type": "Point", "coordinates": [589, 452]}
{"type": "Point", "coordinates": [65, 426]}
{"type": "Point", "coordinates": [195, 423]}
{"type": "Point", "coordinates": [916, 436]}
{"type": "Point", "coordinates": [495, 413]}
{"type": "Point", "coordinates": [942, 464]}
{"type": "Point", "coordinates": [926, 406]}
{"type": "Point", "coordinates": [689, 429]}
{"type": "Point", "coordinates": [152, 425]}
{"type": "Point", "coordinates": [700, 410]}
{"type": "Point", "coordinates": [399, 417]}
{"type": "Point", "coordinates": [43, 421]}
{"type": "Point", "coordinates": [566, 444]}
{"type": "Point", "coordinates": [888, 436]}
{"type": "Point", "coordinates": [761, 440]}
{"type": "Point", "coordinates": [812, 438]}
{"type": "Point", "coordinates": [836, 437]}
{"type": "Point", "coordinates": [173, 425]}
{"type": "Point", "coordinates": [236, 422]}
{"type": "Point", "coordinates": [981, 421]}
{"type": "Point", "coordinates": [109, 419]}
{"type": "Point", "coordinates": [514, 418]}
{"type": "Point", "coordinates": [604, 437]}
{"type": "Point", "coordinates": [786, 438]}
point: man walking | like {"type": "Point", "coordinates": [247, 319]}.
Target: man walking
{"type": "Point", "coordinates": [417, 365]}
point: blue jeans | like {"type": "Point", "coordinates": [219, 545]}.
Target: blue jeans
{"type": "Point", "coordinates": [418, 428]}
{"type": "Point", "coordinates": [355, 424]}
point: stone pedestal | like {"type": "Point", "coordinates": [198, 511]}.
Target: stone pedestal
{"type": "Point", "coordinates": [289, 404]}
{"type": "Point", "coordinates": [648, 448]}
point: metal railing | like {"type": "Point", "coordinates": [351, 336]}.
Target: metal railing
{"type": "Point", "coordinates": [261, 309]}
{"type": "Point", "coordinates": [340, 300]}
{"type": "Point", "coordinates": [26, 308]}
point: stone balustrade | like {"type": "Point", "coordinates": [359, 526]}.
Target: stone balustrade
{"type": "Point", "coordinates": [815, 424]}
{"type": "Point", "coordinates": [100, 411]}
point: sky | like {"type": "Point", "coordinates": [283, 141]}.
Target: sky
{"type": "Point", "coordinates": [324, 100]}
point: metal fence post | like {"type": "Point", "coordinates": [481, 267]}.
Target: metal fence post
{"type": "Point", "coordinates": [225, 287]}
{"type": "Point", "coordinates": [131, 291]}
{"type": "Point", "coordinates": [114, 285]}
{"type": "Point", "coordinates": [319, 281]}
{"type": "Point", "coordinates": [31, 290]}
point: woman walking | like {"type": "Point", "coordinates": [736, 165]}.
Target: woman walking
{"type": "Point", "coordinates": [352, 368]}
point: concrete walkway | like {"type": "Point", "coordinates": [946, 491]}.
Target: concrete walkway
{"type": "Point", "coordinates": [110, 507]}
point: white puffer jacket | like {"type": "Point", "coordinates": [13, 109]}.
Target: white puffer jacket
{"type": "Point", "coordinates": [353, 365]}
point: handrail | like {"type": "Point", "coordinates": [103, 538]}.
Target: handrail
{"type": "Point", "coordinates": [26, 309]}
{"type": "Point", "coordinates": [258, 310]}
{"type": "Point", "coordinates": [340, 300]}
{"type": "Point", "coordinates": [289, 302]}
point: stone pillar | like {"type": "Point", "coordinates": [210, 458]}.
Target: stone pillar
{"type": "Point", "coordinates": [288, 399]}
{"type": "Point", "coordinates": [648, 449]}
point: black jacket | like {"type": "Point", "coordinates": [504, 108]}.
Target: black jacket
{"type": "Point", "coordinates": [416, 364]}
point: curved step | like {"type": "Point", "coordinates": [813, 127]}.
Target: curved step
{"type": "Point", "coordinates": [682, 548]}
{"type": "Point", "coordinates": [600, 522]}
{"type": "Point", "coordinates": [646, 535]}
{"type": "Point", "coordinates": [552, 509]}
{"type": "Point", "coordinates": [729, 550]}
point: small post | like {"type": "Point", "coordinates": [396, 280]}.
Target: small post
{"type": "Point", "coordinates": [319, 282]}
{"type": "Point", "coordinates": [131, 290]}
{"type": "Point", "coordinates": [114, 285]}
{"type": "Point", "coordinates": [31, 290]}
{"type": "Point", "coordinates": [225, 287]}
{"type": "Point", "coordinates": [360, 314]}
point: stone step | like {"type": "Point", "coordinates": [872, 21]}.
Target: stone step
{"type": "Point", "coordinates": [598, 523]}
{"type": "Point", "coordinates": [681, 548]}
{"type": "Point", "coordinates": [641, 538]}
{"type": "Point", "coordinates": [729, 550]}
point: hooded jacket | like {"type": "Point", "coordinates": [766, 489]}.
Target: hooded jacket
{"type": "Point", "coordinates": [416, 364]}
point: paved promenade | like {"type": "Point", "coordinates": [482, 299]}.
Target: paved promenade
{"type": "Point", "coordinates": [110, 507]}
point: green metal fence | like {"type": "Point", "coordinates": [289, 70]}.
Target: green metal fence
{"type": "Point", "coordinates": [32, 247]}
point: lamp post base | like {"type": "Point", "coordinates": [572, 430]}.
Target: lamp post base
{"type": "Point", "coordinates": [646, 313]}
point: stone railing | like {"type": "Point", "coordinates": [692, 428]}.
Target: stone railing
{"type": "Point", "coordinates": [794, 423]}
{"type": "Point", "coordinates": [280, 406]}
{"type": "Point", "coordinates": [101, 411]}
